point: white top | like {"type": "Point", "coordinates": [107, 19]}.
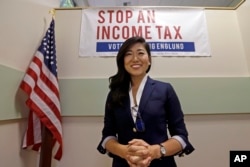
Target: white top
{"type": "Point", "coordinates": [138, 96]}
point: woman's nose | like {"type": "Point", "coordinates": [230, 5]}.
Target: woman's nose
{"type": "Point", "coordinates": [135, 57]}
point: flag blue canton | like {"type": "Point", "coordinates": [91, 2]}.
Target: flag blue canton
{"type": "Point", "coordinates": [48, 49]}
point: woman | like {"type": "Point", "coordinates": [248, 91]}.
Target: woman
{"type": "Point", "coordinates": [138, 113]}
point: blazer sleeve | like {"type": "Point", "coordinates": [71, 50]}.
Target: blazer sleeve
{"type": "Point", "coordinates": [109, 127]}
{"type": "Point", "coordinates": [175, 120]}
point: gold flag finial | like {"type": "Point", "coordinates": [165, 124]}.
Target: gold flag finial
{"type": "Point", "coordinates": [53, 13]}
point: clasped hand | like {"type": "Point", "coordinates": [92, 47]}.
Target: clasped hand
{"type": "Point", "coordinates": [139, 153]}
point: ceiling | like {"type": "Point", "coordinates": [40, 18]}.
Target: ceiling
{"type": "Point", "coordinates": [192, 3]}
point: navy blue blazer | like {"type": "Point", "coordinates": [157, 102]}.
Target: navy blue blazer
{"type": "Point", "coordinates": [161, 112]}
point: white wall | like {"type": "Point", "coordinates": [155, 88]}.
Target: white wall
{"type": "Point", "coordinates": [22, 26]}
{"type": "Point", "coordinates": [27, 20]}
{"type": "Point", "coordinates": [242, 14]}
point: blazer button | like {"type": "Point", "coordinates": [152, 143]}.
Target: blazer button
{"type": "Point", "coordinates": [134, 130]}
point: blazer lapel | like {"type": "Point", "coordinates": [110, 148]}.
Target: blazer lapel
{"type": "Point", "coordinates": [148, 88]}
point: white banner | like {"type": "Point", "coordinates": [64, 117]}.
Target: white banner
{"type": "Point", "coordinates": [169, 31]}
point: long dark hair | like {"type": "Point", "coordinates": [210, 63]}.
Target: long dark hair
{"type": "Point", "coordinates": [119, 83]}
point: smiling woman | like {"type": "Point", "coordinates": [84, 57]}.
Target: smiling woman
{"type": "Point", "coordinates": [137, 111]}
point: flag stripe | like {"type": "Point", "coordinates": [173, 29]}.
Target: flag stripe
{"type": "Point", "coordinates": [39, 107]}
{"type": "Point", "coordinates": [33, 131]}
{"type": "Point", "coordinates": [42, 90]}
{"type": "Point", "coordinates": [35, 71]}
{"type": "Point", "coordinates": [53, 126]}
{"type": "Point", "coordinates": [52, 81]}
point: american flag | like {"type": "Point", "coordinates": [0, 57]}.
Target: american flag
{"type": "Point", "coordinates": [41, 85]}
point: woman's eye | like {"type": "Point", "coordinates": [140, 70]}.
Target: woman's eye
{"type": "Point", "coordinates": [127, 54]}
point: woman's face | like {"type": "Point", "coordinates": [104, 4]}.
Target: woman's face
{"type": "Point", "coordinates": [136, 60]}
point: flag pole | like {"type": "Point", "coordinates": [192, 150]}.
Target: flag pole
{"type": "Point", "coordinates": [44, 124]}
{"type": "Point", "coordinates": [46, 148]}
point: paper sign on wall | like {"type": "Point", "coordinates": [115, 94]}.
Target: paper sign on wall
{"type": "Point", "coordinates": [169, 31]}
